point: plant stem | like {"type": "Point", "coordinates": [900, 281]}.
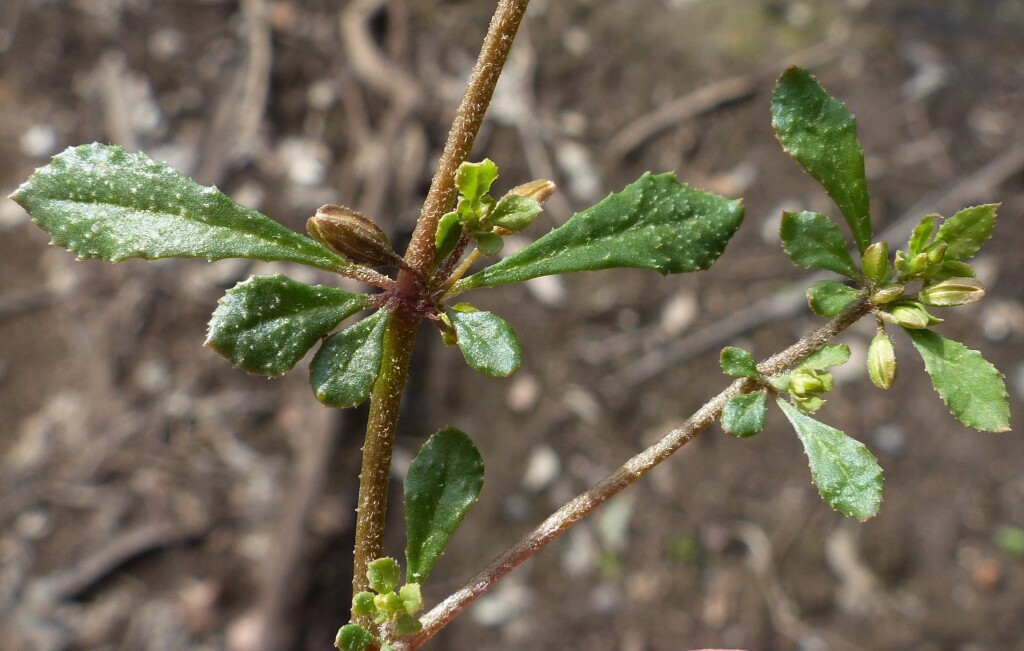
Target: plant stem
{"type": "Point", "coordinates": [583, 504]}
{"type": "Point", "coordinates": [468, 118]}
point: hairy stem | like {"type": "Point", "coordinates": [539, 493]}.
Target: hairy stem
{"type": "Point", "coordinates": [583, 504]}
{"type": "Point", "coordinates": [468, 118]}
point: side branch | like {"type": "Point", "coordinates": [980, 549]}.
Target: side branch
{"type": "Point", "coordinates": [581, 506]}
{"type": "Point", "coordinates": [468, 118]}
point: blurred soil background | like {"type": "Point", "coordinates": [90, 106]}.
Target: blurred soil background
{"type": "Point", "coordinates": [154, 498]}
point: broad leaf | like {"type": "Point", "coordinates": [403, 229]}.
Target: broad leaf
{"type": "Point", "coordinates": [967, 230]}
{"type": "Point", "coordinates": [737, 362]}
{"type": "Point", "coordinates": [970, 386]}
{"type": "Point", "coordinates": [821, 135]}
{"type": "Point", "coordinates": [514, 212]}
{"type": "Point", "coordinates": [266, 324]}
{"type": "Point", "coordinates": [487, 341]}
{"type": "Point", "coordinates": [847, 475]}
{"type": "Point", "coordinates": [829, 299]}
{"type": "Point", "coordinates": [812, 241]}
{"type": "Point", "coordinates": [826, 357]}
{"type": "Point", "coordinates": [743, 415]}
{"type": "Point", "coordinates": [656, 223]}
{"type": "Point", "coordinates": [443, 481]}
{"type": "Point", "coordinates": [103, 202]}
{"type": "Point", "coordinates": [345, 367]}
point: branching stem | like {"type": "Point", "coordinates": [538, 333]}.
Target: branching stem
{"type": "Point", "coordinates": [583, 504]}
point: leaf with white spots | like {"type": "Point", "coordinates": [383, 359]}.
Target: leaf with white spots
{"type": "Point", "coordinates": [103, 202]}
{"type": "Point", "coordinates": [266, 324]}
{"type": "Point", "coordinates": [656, 223]}
{"type": "Point", "coordinates": [344, 369]}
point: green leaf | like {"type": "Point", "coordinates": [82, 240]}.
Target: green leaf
{"type": "Point", "coordinates": [921, 236]}
{"type": "Point", "coordinates": [412, 598]}
{"type": "Point", "coordinates": [487, 341]}
{"type": "Point", "coordinates": [821, 135]}
{"type": "Point", "coordinates": [970, 386]}
{"type": "Point", "coordinates": [443, 481]}
{"type": "Point", "coordinates": [737, 362]}
{"type": "Point", "coordinates": [448, 232]}
{"type": "Point", "coordinates": [812, 241]}
{"type": "Point", "coordinates": [266, 324]}
{"type": "Point", "coordinates": [829, 298]}
{"type": "Point", "coordinates": [826, 357]}
{"type": "Point", "coordinates": [353, 637]}
{"type": "Point", "coordinates": [967, 230]}
{"type": "Point", "coordinates": [489, 243]}
{"type": "Point", "coordinates": [514, 212]}
{"type": "Point", "coordinates": [383, 575]}
{"type": "Point", "coordinates": [847, 475]}
{"type": "Point", "coordinates": [362, 604]}
{"type": "Point", "coordinates": [102, 202]}
{"type": "Point", "coordinates": [743, 415]}
{"type": "Point", "coordinates": [656, 223]}
{"type": "Point", "coordinates": [407, 624]}
{"type": "Point", "coordinates": [344, 369]}
{"type": "Point", "coordinates": [474, 179]}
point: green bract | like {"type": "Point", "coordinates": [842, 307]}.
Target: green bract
{"type": "Point", "coordinates": [743, 415]}
{"type": "Point", "coordinates": [102, 202]}
{"type": "Point", "coordinates": [812, 241]}
{"type": "Point", "coordinates": [737, 362]}
{"type": "Point", "coordinates": [343, 371]}
{"type": "Point", "coordinates": [847, 475]}
{"type": "Point", "coordinates": [828, 298]}
{"type": "Point", "coordinates": [486, 340]}
{"type": "Point", "coordinates": [443, 481]}
{"type": "Point", "coordinates": [655, 223]}
{"type": "Point", "coordinates": [970, 386]}
{"type": "Point", "coordinates": [266, 324]}
{"type": "Point", "coordinates": [821, 135]}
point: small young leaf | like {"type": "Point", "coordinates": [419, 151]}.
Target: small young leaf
{"type": "Point", "coordinates": [514, 213]}
{"type": "Point", "coordinates": [656, 223]}
{"type": "Point", "coordinates": [443, 481]}
{"type": "Point", "coordinates": [266, 324]}
{"type": "Point", "coordinates": [344, 369]}
{"type": "Point", "coordinates": [847, 475]}
{"type": "Point", "coordinates": [406, 624]}
{"type": "Point", "coordinates": [812, 241]}
{"type": "Point", "coordinates": [487, 342]}
{"type": "Point", "coordinates": [362, 604]}
{"type": "Point", "coordinates": [412, 598]}
{"type": "Point", "coordinates": [828, 298]}
{"type": "Point", "coordinates": [967, 230]}
{"type": "Point", "coordinates": [353, 637]}
{"type": "Point", "coordinates": [475, 179]}
{"type": "Point", "coordinates": [921, 236]}
{"type": "Point", "coordinates": [102, 202]}
{"type": "Point", "coordinates": [489, 243]}
{"type": "Point", "coordinates": [737, 362]}
{"type": "Point", "coordinates": [383, 575]}
{"type": "Point", "coordinates": [970, 386]}
{"type": "Point", "coordinates": [448, 232]}
{"type": "Point", "coordinates": [743, 415]}
{"type": "Point", "coordinates": [826, 357]}
{"type": "Point", "coordinates": [821, 135]}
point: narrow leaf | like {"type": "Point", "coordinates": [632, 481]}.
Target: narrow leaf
{"type": "Point", "coordinates": [967, 230]}
{"type": "Point", "coordinates": [743, 415]}
{"type": "Point", "coordinates": [737, 362]}
{"type": "Point", "coordinates": [921, 236]}
{"type": "Point", "coordinates": [812, 241]}
{"type": "Point", "coordinates": [847, 475]}
{"type": "Point", "coordinates": [487, 342]}
{"type": "Point", "coordinates": [266, 324]}
{"type": "Point", "coordinates": [655, 223]}
{"type": "Point", "coordinates": [970, 386]}
{"type": "Point", "coordinates": [821, 135]}
{"type": "Point", "coordinates": [826, 357]}
{"type": "Point", "coordinates": [103, 202]}
{"type": "Point", "coordinates": [344, 369]}
{"type": "Point", "coordinates": [828, 298]}
{"type": "Point", "coordinates": [443, 481]}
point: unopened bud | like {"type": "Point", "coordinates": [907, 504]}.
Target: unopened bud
{"type": "Point", "coordinates": [919, 263]}
{"type": "Point", "coordinates": [539, 190]}
{"type": "Point", "coordinates": [808, 404]}
{"type": "Point", "coordinates": [875, 262]}
{"type": "Point", "coordinates": [887, 294]}
{"type": "Point", "coordinates": [806, 381]}
{"type": "Point", "coordinates": [936, 252]}
{"type": "Point", "coordinates": [349, 234]}
{"type": "Point", "coordinates": [952, 291]}
{"type": "Point", "coordinates": [911, 315]}
{"type": "Point", "coordinates": [881, 361]}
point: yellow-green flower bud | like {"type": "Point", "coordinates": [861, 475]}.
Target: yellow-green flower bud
{"type": "Point", "coordinates": [911, 315]}
{"type": "Point", "coordinates": [808, 404]}
{"type": "Point", "coordinates": [881, 361]}
{"type": "Point", "coordinates": [539, 190]}
{"type": "Point", "coordinates": [952, 291]}
{"type": "Point", "coordinates": [887, 294]}
{"type": "Point", "coordinates": [805, 381]}
{"type": "Point", "coordinates": [388, 603]}
{"type": "Point", "coordinates": [936, 252]}
{"type": "Point", "coordinates": [875, 262]}
{"type": "Point", "coordinates": [349, 234]}
{"type": "Point", "coordinates": [919, 263]}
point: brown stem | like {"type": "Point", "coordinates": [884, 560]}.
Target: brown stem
{"type": "Point", "coordinates": [583, 504]}
{"type": "Point", "coordinates": [468, 118]}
